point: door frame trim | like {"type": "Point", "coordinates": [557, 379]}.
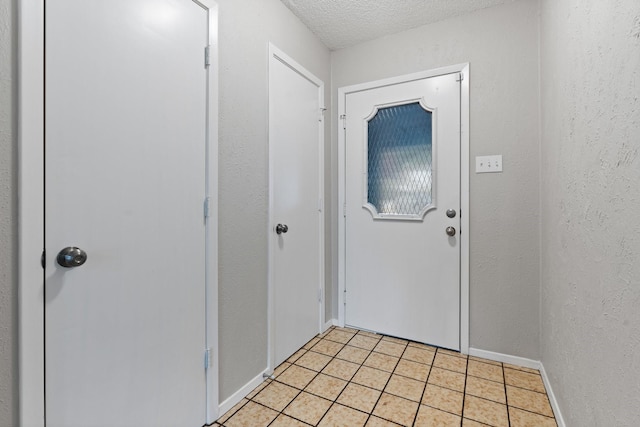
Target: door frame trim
{"type": "Point", "coordinates": [279, 55]}
{"type": "Point", "coordinates": [31, 358]}
{"type": "Point", "coordinates": [464, 185]}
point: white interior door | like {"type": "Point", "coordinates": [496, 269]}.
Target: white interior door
{"type": "Point", "coordinates": [402, 160]}
{"type": "Point", "coordinates": [126, 118]}
{"type": "Point", "coordinates": [295, 157]}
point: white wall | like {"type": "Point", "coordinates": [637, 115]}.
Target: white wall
{"type": "Point", "coordinates": [591, 208]}
{"type": "Point", "coordinates": [501, 45]}
{"type": "Point", "coordinates": [8, 216]}
{"type": "Point", "coordinates": [246, 27]}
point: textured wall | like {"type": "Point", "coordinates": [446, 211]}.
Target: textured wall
{"type": "Point", "coordinates": [245, 29]}
{"type": "Point", "coordinates": [8, 215]}
{"type": "Point", "coordinates": [591, 199]}
{"type": "Point", "coordinates": [501, 45]}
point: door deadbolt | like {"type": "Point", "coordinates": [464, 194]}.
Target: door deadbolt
{"type": "Point", "coordinates": [281, 228]}
{"type": "Point", "coordinates": [71, 257]}
{"type": "Point", "coordinates": [451, 213]}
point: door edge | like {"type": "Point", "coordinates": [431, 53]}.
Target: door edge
{"type": "Point", "coordinates": [212, 376]}
{"type": "Point", "coordinates": [31, 212]}
{"type": "Point", "coordinates": [462, 68]}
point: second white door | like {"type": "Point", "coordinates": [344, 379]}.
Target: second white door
{"type": "Point", "coordinates": [402, 213]}
{"type": "Point", "coordinates": [295, 161]}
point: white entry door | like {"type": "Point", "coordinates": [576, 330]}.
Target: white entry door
{"type": "Point", "coordinates": [402, 195]}
{"type": "Point", "coordinates": [126, 140]}
{"type": "Point", "coordinates": [295, 162]}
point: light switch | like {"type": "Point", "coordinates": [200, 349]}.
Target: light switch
{"type": "Point", "coordinates": [488, 164]}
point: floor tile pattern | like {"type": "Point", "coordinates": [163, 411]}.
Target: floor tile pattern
{"type": "Point", "coordinates": [350, 378]}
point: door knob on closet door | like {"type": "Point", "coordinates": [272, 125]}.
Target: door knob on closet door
{"type": "Point", "coordinates": [71, 257]}
{"type": "Point", "coordinates": [281, 228]}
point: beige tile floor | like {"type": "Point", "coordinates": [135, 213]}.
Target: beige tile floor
{"type": "Point", "coordinates": [350, 378]}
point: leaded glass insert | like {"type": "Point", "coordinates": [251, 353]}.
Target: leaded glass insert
{"type": "Point", "coordinates": [399, 160]}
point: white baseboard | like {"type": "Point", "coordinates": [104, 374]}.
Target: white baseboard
{"type": "Point", "coordinates": [236, 397]}
{"type": "Point", "coordinates": [552, 397]}
{"type": "Point", "coordinates": [527, 363]}
{"type": "Point", "coordinates": [505, 358]}
{"type": "Point", "coordinates": [330, 323]}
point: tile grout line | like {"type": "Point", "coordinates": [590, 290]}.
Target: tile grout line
{"type": "Point", "coordinates": [534, 413]}
{"type": "Point", "coordinates": [506, 396]}
{"type": "Point", "coordinates": [387, 383]}
{"type": "Point", "coordinates": [370, 414]}
{"type": "Point", "coordinates": [464, 391]}
{"type": "Point", "coordinates": [381, 391]}
{"type": "Point", "coordinates": [335, 401]}
{"type": "Point", "coordinates": [426, 381]}
{"type": "Point", "coordinates": [448, 388]}
{"type": "Point", "coordinates": [406, 346]}
{"type": "Point", "coordinates": [526, 389]}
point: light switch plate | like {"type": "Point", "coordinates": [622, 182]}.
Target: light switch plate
{"type": "Point", "coordinates": [488, 164]}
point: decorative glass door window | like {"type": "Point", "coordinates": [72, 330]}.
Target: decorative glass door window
{"type": "Point", "coordinates": [399, 159]}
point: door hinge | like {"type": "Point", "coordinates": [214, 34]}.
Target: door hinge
{"type": "Point", "coordinates": [319, 295]}
{"type": "Point", "coordinates": [207, 207]}
{"type": "Point", "coordinates": [344, 209]}
{"type": "Point", "coordinates": [320, 205]}
{"type": "Point", "coordinates": [43, 259]}
{"type": "Point", "coordinates": [460, 77]}
{"type": "Point", "coordinates": [343, 117]}
{"type": "Point", "coordinates": [345, 297]}
{"type": "Point", "coordinates": [207, 56]}
{"type": "Point", "coordinates": [207, 358]}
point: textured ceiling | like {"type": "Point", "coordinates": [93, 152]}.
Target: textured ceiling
{"type": "Point", "coordinates": [343, 23]}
